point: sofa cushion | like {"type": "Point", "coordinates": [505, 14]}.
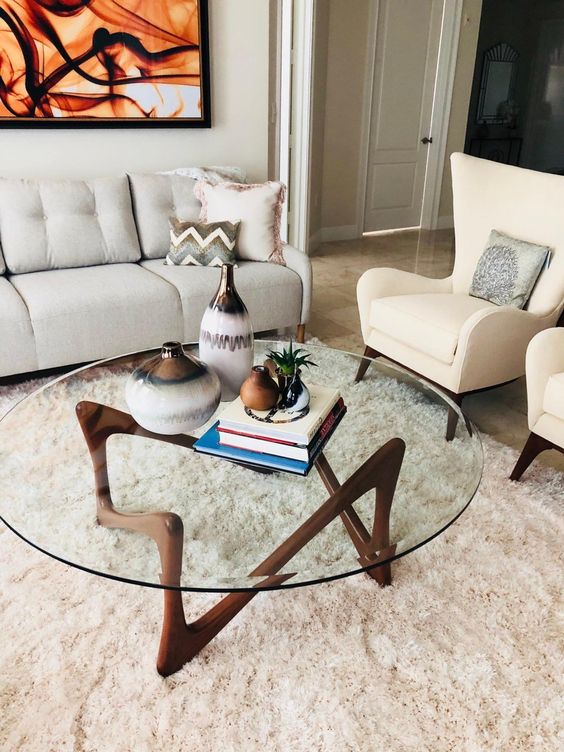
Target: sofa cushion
{"type": "Point", "coordinates": [17, 343]}
{"type": "Point", "coordinates": [85, 314]}
{"type": "Point", "coordinates": [155, 199]}
{"type": "Point", "coordinates": [429, 323]}
{"type": "Point", "coordinates": [553, 402]}
{"type": "Point", "coordinates": [59, 224]}
{"type": "Point", "coordinates": [272, 293]}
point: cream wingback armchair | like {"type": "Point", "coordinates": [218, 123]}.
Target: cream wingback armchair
{"type": "Point", "coordinates": [545, 395]}
{"type": "Point", "coordinates": [433, 326]}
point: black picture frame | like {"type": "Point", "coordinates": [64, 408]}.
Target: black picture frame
{"type": "Point", "coordinates": [205, 121]}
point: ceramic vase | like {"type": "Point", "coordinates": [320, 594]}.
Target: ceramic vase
{"type": "Point", "coordinates": [226, 336]}
{"type": "Point", "coordinates": [172, 392]}
{"type": "Point", "coordinates": [295, 396]}
{"type": "Point", "coordinates": [259, 391]}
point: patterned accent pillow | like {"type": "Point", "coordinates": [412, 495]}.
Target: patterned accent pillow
{"type": "Point", "coordinates": [257, 205]}
{"type": "Point", "coordinates": [508, 270]}
{"type": "Point", "coordinates": [201, 244]}
{"type": "Point", "coordinates": [211, 175]}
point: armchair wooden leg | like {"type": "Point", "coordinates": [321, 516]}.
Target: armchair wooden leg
{"type": "Point", "coordinates": [300, 333]}
{"type": "Point", "coordinates": [533, 447]}
{"type": "Point", "coordinates": [369, 355]}
{"type": "Point", "coordinates": [452, 420]}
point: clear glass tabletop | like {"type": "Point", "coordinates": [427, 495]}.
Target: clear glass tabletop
{"type": "Point", "coordinates": [233, 518]}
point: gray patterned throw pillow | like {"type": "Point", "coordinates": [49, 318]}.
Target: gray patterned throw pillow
{"type": "Point", "coordinates": [201, 243]}
{"type": "Point", "coordinates": [508, 270]}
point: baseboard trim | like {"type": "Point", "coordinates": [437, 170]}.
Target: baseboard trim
{"type": "Point", "coordinates": [445, 222]}
{"type": "Point", "coordinates": [341, 232]}
{"type": "Point", "coordinates": [315, 241]}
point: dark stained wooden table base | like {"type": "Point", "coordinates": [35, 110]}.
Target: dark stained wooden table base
{"type": "Point", "coordinates": [181, 641]}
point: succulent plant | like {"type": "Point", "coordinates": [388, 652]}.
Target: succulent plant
{"type": "Point", "coordinates": [289, 361]}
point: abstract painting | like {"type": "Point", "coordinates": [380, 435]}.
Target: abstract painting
{"type": "Point", "coordinates": [104, 63]}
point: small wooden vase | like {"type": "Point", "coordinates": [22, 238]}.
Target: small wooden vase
{"type": "Point", "coordinates": [259, 391]}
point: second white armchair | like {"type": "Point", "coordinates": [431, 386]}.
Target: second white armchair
{"type": "Point", "coordinates": [545, 397]}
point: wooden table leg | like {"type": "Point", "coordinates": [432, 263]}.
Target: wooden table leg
{"type": "Point", "coordinates": [372, 549]}
{"type": "Point", "coordinates": [181, 641]}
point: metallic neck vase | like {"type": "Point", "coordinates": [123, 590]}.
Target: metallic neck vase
{"type": "Point", "coordinates": [226, 336]}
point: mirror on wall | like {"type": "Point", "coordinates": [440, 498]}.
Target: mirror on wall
{"type": "Point", "coordinates": [497, 85]}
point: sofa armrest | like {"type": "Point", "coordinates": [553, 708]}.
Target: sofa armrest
{"type": "Point", "coordinates": [383, 282]}
{"type": "Point", "coordinates": [300, 263]}
{"type": "Point", "coordinates": [545, 357]}
{"type": "Point", "coordinates": [492, 345]}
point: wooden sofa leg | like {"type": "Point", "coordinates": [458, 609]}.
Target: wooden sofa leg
{"type": "Point", "coordinates": [369, 354]}
{"type": "Point", "coordinates": [300, 333]}
{"type": "Point", "coordinates": [533, 447]}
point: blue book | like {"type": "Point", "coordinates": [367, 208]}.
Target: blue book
{"type": "Point", "coordinates": [209, 444]}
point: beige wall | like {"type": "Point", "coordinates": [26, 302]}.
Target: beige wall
{"type": "Point", "coordinates": [239, 63]}
{"type": "Point", "coordinates": [341, 48]}
{"type": "Point", "coordinates": [321, 41]}
{"type": "Point", "coordinates": [460, 98]}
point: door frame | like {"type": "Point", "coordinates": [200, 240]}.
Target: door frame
{"type": "Point", "coordinates": [442, 100]}
{"type": "Point", "coordinates": [296, 41]}
{"type": "Point", "coordinates": [284, 56]}
{"type": "Point", "coordinates": [301, 116]}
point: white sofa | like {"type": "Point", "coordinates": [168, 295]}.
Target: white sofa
{"type": "Point", "coordinates": [82, 273]}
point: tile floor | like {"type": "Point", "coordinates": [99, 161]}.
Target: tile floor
{"type": "Point", "coordinates": [500, 412]}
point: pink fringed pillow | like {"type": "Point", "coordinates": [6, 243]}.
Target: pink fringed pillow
{"type": "Point", "coordinates": [257, 206]}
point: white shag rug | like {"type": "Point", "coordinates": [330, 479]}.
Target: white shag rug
{"type": "Point", "coordinates": [463, 652]}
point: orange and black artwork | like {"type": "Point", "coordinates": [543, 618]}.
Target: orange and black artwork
{"type": "Point", "coordinates": [104, 62]}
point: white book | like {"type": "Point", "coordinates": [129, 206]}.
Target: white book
{"type": "Point", "coordinates": [279, 424]}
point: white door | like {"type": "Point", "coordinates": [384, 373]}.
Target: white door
{"type": "Point", "coordinates": [408, 35]}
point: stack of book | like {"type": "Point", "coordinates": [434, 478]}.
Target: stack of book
{"type": "Point", "coordinates": [277, 440]}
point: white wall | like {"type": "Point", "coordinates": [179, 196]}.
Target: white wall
{"type": "Point", "coordinates": [239, 31]}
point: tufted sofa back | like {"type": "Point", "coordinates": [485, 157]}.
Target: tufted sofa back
{"type": "Point", "coordinates": [59, 224]}
{"type": "Point", "coordinates": [156, 198]}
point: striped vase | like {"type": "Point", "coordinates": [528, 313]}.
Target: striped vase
{"type": "Point", "coordinates": [226, 336]}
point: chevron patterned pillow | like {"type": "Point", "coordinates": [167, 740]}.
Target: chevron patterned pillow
{"type": "Point", "coordinates": [201, 243]}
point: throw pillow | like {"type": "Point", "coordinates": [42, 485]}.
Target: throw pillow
{"type": "Point", "coordinates": [200, 244]}
{"type": "Point", "coordinates": [257, 205]}
{"type": "Point", "coordinates": [212, 175]}
{"type": "Point", "coordinates": [508, 270]}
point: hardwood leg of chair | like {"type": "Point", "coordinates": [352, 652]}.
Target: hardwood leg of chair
{"type": "Point", "coordinates": [300, 333]}
{"type": "Point", "coordinates": [369, 355]}
{"type": "Point", "coordinates": [452, 420]}
{"type": "Point", "coordinates": [533, 447]}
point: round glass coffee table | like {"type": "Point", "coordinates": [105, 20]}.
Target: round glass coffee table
{"type": "Point", "coordinates": [156, 513]}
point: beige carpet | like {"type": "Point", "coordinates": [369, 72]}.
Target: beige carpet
{"type": "Point", "coordinates": [463, 652]}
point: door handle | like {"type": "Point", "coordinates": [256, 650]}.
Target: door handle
{"type": "Point", "coordinates": [427, 140]}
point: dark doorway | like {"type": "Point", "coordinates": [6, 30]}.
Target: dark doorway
{"type": "Point", "coordinates": [516, 113]}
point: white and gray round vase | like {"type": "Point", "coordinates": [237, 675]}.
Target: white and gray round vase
{"type": "Point", "coordinates": [172, 392]}
{"type": "Point", "coordinates": [226, 336]}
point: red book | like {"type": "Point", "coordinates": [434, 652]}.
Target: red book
{"type": "Point", "coordinates": [281, 447]}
